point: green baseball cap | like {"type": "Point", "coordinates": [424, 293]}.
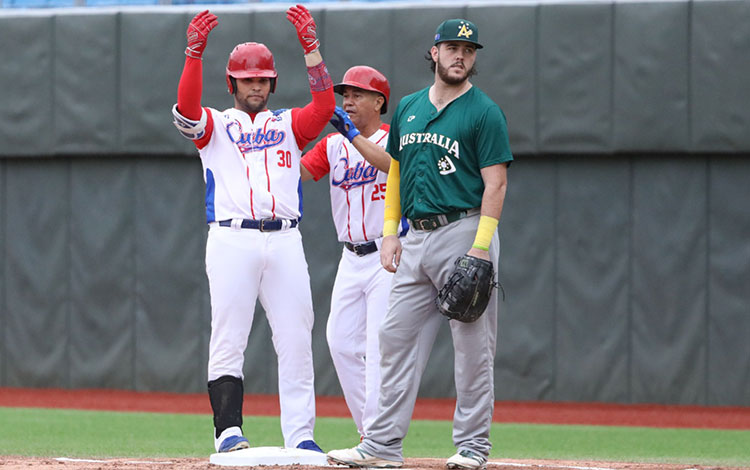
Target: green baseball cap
{"type": "Point", "coordinates": [457, 30]}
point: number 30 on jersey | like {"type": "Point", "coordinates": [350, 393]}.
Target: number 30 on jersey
{"type": "Point", "coordinates": [285, 158]}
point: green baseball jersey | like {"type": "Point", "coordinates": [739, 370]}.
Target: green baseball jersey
{"type": "Point", "coordinates": [441, 153]}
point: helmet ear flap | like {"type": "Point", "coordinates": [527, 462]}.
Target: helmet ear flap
{"type": "Point", "coordinates": [273, 84]}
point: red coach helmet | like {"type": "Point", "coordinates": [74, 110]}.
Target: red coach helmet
{"type": "Point", "coordinates": [250, 59]}
{"type": "Point", "coordinates": [366, 78]}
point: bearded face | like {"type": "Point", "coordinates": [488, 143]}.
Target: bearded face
{"type": "Point", "coordinates": [454, 61]}
{"type": "Point", "coordinates": [252, 94]}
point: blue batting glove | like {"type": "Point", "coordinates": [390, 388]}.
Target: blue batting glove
{"type": "Point", "coordinates": [344, 124]}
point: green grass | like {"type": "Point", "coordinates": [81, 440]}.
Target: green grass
{"type": "Point", "coordinates": [73, 433]}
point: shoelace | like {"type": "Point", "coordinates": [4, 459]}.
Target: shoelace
{"type": "Point", "coordinates": [472, 455]}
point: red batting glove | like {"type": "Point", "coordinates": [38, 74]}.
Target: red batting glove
{"type": "Point", "coordinates": [303, 22]}
{"type": "Point", "coordinates": [197, 33]}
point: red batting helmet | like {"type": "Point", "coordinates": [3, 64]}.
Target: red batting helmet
{"type": "Point", "coordinates": [250, 59]}
{"type": "Point", "coordinates": [366, 78]}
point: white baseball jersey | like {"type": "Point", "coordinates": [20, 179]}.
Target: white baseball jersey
{"type": "Point", "coordinates": [357, 187]}
{"type": "Point", "coordinates": [251, 169]}
{"type": "Point", "coordinates": [248, 166]}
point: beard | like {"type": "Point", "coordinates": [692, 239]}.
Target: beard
{"type": "Point", "coordinates": [452, 79]}
{"type": "Point", "coordinates": [253, 107]}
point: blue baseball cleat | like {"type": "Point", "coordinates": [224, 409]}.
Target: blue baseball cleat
{"type": "Point", "coordinates": [309, 445]}
{"type": "Point", "coordinates": [233, 443]}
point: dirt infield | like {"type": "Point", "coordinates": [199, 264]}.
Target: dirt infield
{"type": "Point", "coordinates": [27, 463]}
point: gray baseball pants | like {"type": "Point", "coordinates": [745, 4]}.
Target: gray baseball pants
{"type": "Point", "coordinates": [408, 334]}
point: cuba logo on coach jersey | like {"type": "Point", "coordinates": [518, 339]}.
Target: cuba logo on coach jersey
{"type": "Point", "coordinates": [347, 178]}
{"type": "Point", "coordinates": [254, 140]}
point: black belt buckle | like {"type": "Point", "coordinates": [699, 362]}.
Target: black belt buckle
{"type": "Point", "coordinates": [269, 225]}
{"type": "Point", "coordinates": [427, 224]}
{"type": "Point", "coordinates": [362, 249]}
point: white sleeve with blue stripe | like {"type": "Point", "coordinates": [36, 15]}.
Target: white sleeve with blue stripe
{"type": "Point", "coordinates": [189, 128]}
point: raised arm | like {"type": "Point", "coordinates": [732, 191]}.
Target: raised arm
{"type": "Point", "coordinates": [309, 122]}
{"type": "Point", "coordinates": [190, 87]}
{"type": "Point", "coordinates": [189, 117]}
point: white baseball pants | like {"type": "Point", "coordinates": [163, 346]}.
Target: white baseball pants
{"type": "Point", "coordinates": [242, 266]}
{"type": "Point", "coordinates": [358, 305]}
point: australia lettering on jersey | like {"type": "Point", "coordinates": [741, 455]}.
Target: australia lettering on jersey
{"type": "Point", "coordinates": [254, 140]}
{"type": "Point", "coordinates": [347, 178]}
{"type": "Point", "coordinates": [451, 146]}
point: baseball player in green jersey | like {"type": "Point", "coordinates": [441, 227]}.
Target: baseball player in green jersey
{"type": "Point", "coordinates": [448, 175]}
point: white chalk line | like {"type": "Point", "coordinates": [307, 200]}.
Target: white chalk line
{"type": "Point", "coordinates": [515, 464]}
{"type": "Point", "coordinates": [508, 464]}
{"type": "Point", "coordinates": [572, 467]}
{"type": "Point", "coordinates": [131, 462]}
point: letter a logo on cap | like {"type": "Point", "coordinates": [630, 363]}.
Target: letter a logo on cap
{"type": "Point", "coordinates": [463, 31]}
{"type": "Point", "coordinates": [456, 29]}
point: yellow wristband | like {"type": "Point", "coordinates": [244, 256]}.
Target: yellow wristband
{"type": "Point", "coordinates": [390, 227]}
{"type": "Point", "coordinates": [392, 215]}
{"type": "Point", "coordinates": [485, 230]}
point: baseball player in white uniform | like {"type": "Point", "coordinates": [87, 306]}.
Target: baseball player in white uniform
{"type": "Point", "coordinates": [360, 293]}
{"type": "Point", "coordinates": [250, 158]}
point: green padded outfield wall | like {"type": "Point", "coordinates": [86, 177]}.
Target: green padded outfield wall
{"type": "Point", "coordinates": [625, 237]}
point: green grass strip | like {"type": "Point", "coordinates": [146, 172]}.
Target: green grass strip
{"type": "Point", "coordinates": [100, 434]}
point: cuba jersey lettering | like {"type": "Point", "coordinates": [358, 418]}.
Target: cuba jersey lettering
{"type": "Point", "coordinates": [357, 187]}
{"type": "Point", "coordinates": [256, 140]}
{"type": "Point", "coordinates": [251, 167]}
{"type": "Point", "coordinates": [346, 177]}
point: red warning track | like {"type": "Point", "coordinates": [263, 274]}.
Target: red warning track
{"type": "Point", "coordinates": [673, 416]}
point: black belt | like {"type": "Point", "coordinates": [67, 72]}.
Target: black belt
{"type": "Point", "coordinates": [362, 249]}
{"type": "Point", "coordinates": [264, 225]}
{"type": "Point", "coordinates": [434, 221]}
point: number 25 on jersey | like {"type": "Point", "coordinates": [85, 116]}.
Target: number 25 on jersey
{"type": "Point", "coordinates": [378, 191]}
